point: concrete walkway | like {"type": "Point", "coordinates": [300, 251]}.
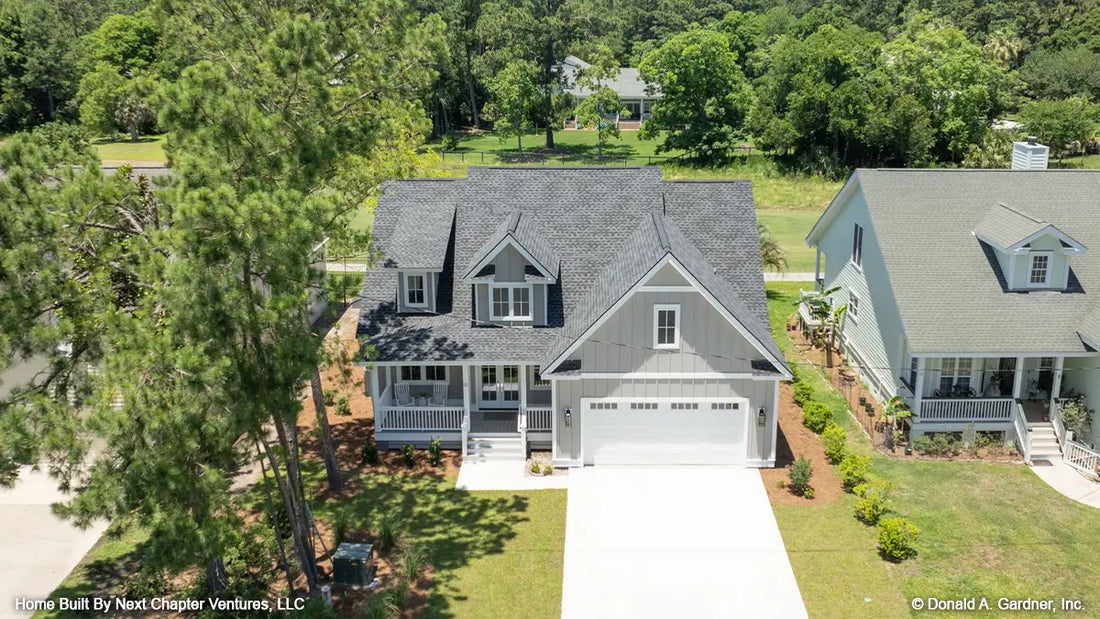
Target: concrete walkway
{"type": "Point", "coordinates": [1065, 479]}
{"type": "Point", "coordinates": [674, 541]}
{"type": "Point", "coordinates": [37, 549]}
{"type": "Point", "coordinates": [506, 475]}
{"type": "Point", "coordinates": [788, 277]}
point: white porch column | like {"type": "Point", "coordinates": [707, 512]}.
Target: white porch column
{"type": "Point", "coordinates": [466, 369]}
{"type": "Point", "coordinates": [553, 420]}
{"type": "Point", "coordinates": [775, 422]}
{"type": "Point", "coordinates": [523, 409]}
{"type": "Point", "coordinates": [375, 397]}
{"type": "Point", "coordinates": [1018, 378]}
{"type": "Point", "coordinates": [1056, 386]}
{"type": "Point", "coordinates": [918, 388]}
{"type": "Point", "coordinates": [817, 270]}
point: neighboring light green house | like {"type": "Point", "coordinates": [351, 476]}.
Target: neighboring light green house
{"type": "Point", "coordinates": [973, 294]}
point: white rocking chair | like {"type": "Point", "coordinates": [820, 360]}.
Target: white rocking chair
{"type": "Point", "coordinates": [403, 397]}
{"type": "Point", "coordinates": [439, 395]}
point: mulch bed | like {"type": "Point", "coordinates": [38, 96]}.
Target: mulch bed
{"type": "Point", "coordinates": [793, 441]}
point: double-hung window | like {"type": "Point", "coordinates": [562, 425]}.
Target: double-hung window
{"type": "Point", "coordinates": [857, 246]}
{"type": "Point", "coordinates": [420, 373]}
{"type": "Point", "coordinates": [1039, 271]}
{"type": "Point", "coordinates": [955, 376]}
{"type": "Point", "coordinates": [510, 302]}
{"type": "Point", "coordinates": [414, 291]}
{"type": "Point", "coordinates": [853, 305]}
{"type": "Point", "coordinates": [666, 326]}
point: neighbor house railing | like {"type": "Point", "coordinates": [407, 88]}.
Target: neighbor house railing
{"type": "Point", "coordinates": [967, 409]}
{"type": "Point", "coordinates": [538, 419]}
{"type": "Point", "coordinates": [1081, 458]}
{"type": "Point", "coordinates": [1023, 432]}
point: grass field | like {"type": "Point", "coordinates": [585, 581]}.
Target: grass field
{"type": "Point", "coordinates": [986, 530]}
{"type": "Point", "coordinates": [570, 147]}
{"type": "Point", "coordinates": [148, 149]}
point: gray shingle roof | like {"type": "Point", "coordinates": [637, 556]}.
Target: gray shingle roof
{"type": "Point", "coordinates": [628, 83]}
{"type": "Point", "coordinates": [1007, 226]}
{"type": "Point", "coordinates": [588, 217]}
{"type": "Point", "coordinates": [415, 231]}
{"type": "Point", "coordinates": [946, 282]}
{"type": "Point", "coordinates": [524, 230]}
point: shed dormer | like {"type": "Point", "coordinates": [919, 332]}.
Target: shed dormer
{"type": "Point", "coordinates": [1033, 254]}
{"type": "Point", "coordinates": [512, 272]}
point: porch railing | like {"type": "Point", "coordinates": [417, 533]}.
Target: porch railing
{"type": "Point", "coordinates": [448, 418]}
{"type": "Point", "coordinates": [1023, 432]}
{"type": "Point", "coordinates": [967, 409]}
{"type": "Point", "coordinates": [538, 419]}
{"type": "Point", "coordinates": [1081, 458]}
{"type": "Point", "coordinates": [1060, 430]}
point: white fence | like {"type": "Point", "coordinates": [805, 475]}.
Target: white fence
{"type": "Point", "coordinates": [967, 409]}
{"type": "Point", "coordinates": [538, 419]}
{"type": "Point", "coordinates": [1073, 453]}
{"type": "Point", "coordinates": [1023, 433]}
{"type": "Point", "coordinates": [421, 418]}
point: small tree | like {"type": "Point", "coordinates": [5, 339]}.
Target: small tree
{"type": "Point", "coordinates": [1063, 125]}
{"type": "Point", "coordinates": [897, 411]}
{"type": "Point", "coordinates": [821, 308]}
{"type": "Point", "coordinates": [771, 254]}
{"type": "Point", "coordinates": [513, 94]}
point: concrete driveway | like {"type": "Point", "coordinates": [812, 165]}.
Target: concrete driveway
{"type": "Point", "coordinates": [37, 550]}
{"type": "Point", "coordinates": [674, 542]}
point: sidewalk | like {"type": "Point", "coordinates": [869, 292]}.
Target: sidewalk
{"type": "Point", "coordinates": [506, 475]}
{"type": "Point", "coordinates": [1065, 479]}
{"type": "Point", "coordinates": [788, 277]}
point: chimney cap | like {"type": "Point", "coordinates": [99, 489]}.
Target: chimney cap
{"type": "Point", "coordinates": [1032, 140]}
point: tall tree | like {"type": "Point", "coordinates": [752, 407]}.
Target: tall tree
{"type": "Point", "coordinates": [513, 97]}
{"type": "Point", "coordinates": [1065, 126]}
{"type": "Point", "coordinates": [37, 64]}
{"type": "Point", "coordinates": [282, 98]}
{"type": "Point", "coordinates": [601, 101]}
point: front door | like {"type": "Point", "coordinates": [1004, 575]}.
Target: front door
{"type": "Point", "coordinates": [499, 386]}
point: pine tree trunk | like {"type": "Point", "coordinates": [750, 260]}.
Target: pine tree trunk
{"type": "Point", "coordinates": [332, 467]}
{"type": "Point", "coordinates": [472, 90]}
{"type": "Point", "coordinates": [284, 563]}
{"type": "Point", "coordinates": [290, 489]}
{"type": "Point", "coordinates": [216, 578]}
{"type": "Point", "coordinates": [548, 69]}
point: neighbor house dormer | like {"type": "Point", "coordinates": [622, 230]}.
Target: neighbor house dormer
{"type": "Point", "coordinates": [512, 273]}
{"type": "Point", "coordinates": [1032, 254]}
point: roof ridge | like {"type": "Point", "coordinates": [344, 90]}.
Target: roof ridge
{"type": "Point", "coordinates": [662, 234]}
{"type": "Point", "coordinates": [513, 222]}
{"type": "Point", "coordinates": [1022, 214]}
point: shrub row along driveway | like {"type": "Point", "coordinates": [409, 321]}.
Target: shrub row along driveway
{"type": "Point", "coordinates": [674, 542]}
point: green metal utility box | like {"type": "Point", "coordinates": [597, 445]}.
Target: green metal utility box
{"type": "Point", "coordinates": [353, 564]}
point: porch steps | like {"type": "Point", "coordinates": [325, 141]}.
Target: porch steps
{"type": "Point", "coordinates": [494, 448]}
{"type": "Point", "coordinates": [1044, 442]}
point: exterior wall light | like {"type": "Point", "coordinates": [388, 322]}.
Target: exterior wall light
{"type": "Point", "coordinates": [569, 418]}
{"type": "Point", "coordinates": [761, 417]}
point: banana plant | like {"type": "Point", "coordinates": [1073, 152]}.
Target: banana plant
{"type": "Point", "coordinates": [828, 317]}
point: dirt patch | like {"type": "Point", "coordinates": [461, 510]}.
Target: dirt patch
{"type": "Point", "coordinates": [793, 441]}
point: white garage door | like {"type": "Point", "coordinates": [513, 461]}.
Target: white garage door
{"type": "Point", "coordinates": [664, 431]}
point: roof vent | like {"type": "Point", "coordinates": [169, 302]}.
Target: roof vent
{"type": "Point", "coordinates": [1029, 155]}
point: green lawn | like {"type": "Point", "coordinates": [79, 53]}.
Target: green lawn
{"type": "Point", "coordinates": [496, 554]}
{"type": "Point", "coordinates": [986, 530]}
{"type": "Point", "coordinates": [148, 149]}
{"type": "Point", "coordinates": [102, 570]}
{"type": "Point", "coordinates": [570, 147]}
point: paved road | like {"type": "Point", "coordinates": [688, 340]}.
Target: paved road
{"type": "Point", "coordinates": [37, 550]}
{"type": "Point", "coordinates": [674, 542]}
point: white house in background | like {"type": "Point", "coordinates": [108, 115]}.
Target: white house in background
{"type": "Point", "coordinates": [628, 84]}
{"type": "Point", "coordinates": [603, 313]}
{"type": "Point", "coordinates": [973, 294]}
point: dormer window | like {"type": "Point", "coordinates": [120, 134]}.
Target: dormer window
{"type": "Point", "coordinates": [510, 302]}
{"type": "Point", "coordinates": [1039, 271]}
{"type": "Point", "coordinates": [666, 326]}
{"type": "Point", "coordinates": [414, 291]}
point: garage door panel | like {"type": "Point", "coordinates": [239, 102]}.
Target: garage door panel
{"type": "Point", "coordinates": [665, 432]}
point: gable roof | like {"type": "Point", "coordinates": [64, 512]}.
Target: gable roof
{"type": "Point", "coordinates": [415, 231]}
{"type": "Point", "coordinates": [587, 217]}
{"type": "Point", "coordinates": [523, 233]}
{"type": "Point", "coordinates": [643, 252]}
{"type": "Point", "coordinates": [947, 284]}
{"type": "Point", "coordinates": [628, 83]}
{"type": "Point", "coordinates": [1009, 228]}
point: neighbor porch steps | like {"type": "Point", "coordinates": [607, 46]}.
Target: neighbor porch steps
{"type": "Point", "coordinates": [1044, 442]}
{"type": "Point", "coordinates": [494, 448]}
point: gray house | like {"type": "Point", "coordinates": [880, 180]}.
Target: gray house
{"type": "Point", "coordinates": [628, 84]}
{"type": "Point", "coordinates": [602, 313]}
{"type": "Point", "coordinates": [973, 294]}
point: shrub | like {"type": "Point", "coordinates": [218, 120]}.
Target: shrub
{"type": "Point", "coordinates": [343, 408]}
{"type": "Point", "coordinates": [330, 397]}
{"type": "Point", "coordinates": [803, 393]}
{"type": "Point", "coordinates": [340, 523]}
{"type": "Point", "coordinates": [853, 471]}
{"type": "Point", "coordinates": [836, 443]}
{"type": "Point", "coordinates": [408, 454]}
{"type": "Point", "coordinates": [413, 558]}
{"type": "Point", "coordinates": [816, 416]}
{"type": "Point", "coordinates": [871, 504]}
{"type": "Point", "coordinates": [147, 583]}
{"type": "Point", "coordinates": [547, 468]}
{"type": "Point", "coordinates": [897, 539]}
{"type": "Point", "coordinates": [370, 452]}
{"type": "Point", "coordinates": [397, 597]}
{"type": "Point", "coordinates": [389, 533]}
{"type": "Point", "coordinates": [800, 474]}
{"type": "Point", "coordinates": [435, 452]}
{"type": "Point", "coordinates": [937, 444]}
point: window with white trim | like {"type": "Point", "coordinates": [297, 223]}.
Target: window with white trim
{"type": "Point", "coordinates": [510, 302]}
{"type": "Point", "coordinates": [857, 245]}
{"type": "Point", "coordinates": [414, 291]}
{"type": "Point", "coordinates": [853, 304]}
{"type": "Point", "coordinates": [666, 326]}
{"type": "Point", "coordinates": [537, 381]}
{"type": "Point", "coordinates": [423, 373]}
{"type": "Point", "coordinates": [955, 375]}
{"type": "Point", "coordinates": [1039, 271]}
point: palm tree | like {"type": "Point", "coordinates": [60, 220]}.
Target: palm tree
{"type": "Point", "coordinates": [771, 254]}
{"type": "Point", "coordinates": [828, 316]}
{"type": "Point", "coordinates": [1004, 45]}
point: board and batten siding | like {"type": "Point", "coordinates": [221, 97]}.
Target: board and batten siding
{"type": "Point", "coordinates": [876, 335]}
{"type": "Point", "coordinates": [509, 265]}
{"type": "Point", "coordinates": [1021, 270]}
{"type": "Point", "coordinates": [708, 342]}
{"type": "Point", "coordinates": [431, 283]}
{"type": "Point", "coordinates": [760, 393]}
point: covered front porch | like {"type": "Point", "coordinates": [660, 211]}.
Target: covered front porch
{"type": "Point", "coordinates": [414, 403]}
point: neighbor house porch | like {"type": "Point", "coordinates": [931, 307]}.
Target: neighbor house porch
{"type": "Point", "coordinates": [416, 402]}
